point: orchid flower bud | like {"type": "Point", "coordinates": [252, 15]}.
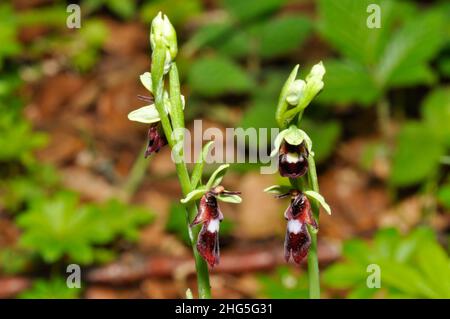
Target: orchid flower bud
{"type": "Point", "coordinates": [314, 81]}
{"type": "Point", "coordinates": [156, 140]}
{"type": "Point", "coordinates": [163, 30]}
{"type": "Point", "coordinates": [298, 239]}
{"type": "Point", "coordinates": [295, 91]}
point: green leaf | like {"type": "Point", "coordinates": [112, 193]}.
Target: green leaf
{"type": "Point", "coordinates": [436, 113]}
{"type": "Point", "coordinates": [346, 82]}
{"type": "Point", "coordinates": [194, 195]}
{"type": "Point", "coordinates": [343, 24]}
{"type": "Point", "coordinates": [124, 9]}
{"type": "Point", "coordinates": [432, 259]}
{"type": "Point", "coordinates": [234, 199]}
{"type": "Point", "coordinates": [316, 196]}
{"type": "Point", "coordinates": [217, 176]}
{"type": "Point", "coordinates": [416, 156]}
{"type": "Point", "coordinates": [278, 189]}
{"type": "Point", "coordinates": [344, 275]}
{"type": "Point", "coordinates": [214, 76]}
{"type": "Point", "coordinates": [198, 167]}
{"type": "Point", "coordinates": [406, 48]}
{"type": "Point", "coordinates": [55, 288]}
{"type": "Point", "coordinates": [282, 35]}
{"type": "Point", "coordinates": [251, 9]}
{"type": "Point", "coordinates": [236, 44]}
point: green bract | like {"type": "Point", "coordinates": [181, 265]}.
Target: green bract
{"type": "Point", "coordinates": [216, 177]}
{"type": "Point", "coordinates": [235, 199]}
{"type": "Point", "coordinates": [314, 81]}
{"type": "Point", "coordinates": [278, 189]}
{"type": "Point", "coordinates": [293, 136]}
{"type": "Point", "coordinates": [194, 195]}
{"type": "Point", "coordinates": [320, 199]}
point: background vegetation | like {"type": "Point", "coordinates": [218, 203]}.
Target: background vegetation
{"type": "Point", "coordinates": [74, 187]}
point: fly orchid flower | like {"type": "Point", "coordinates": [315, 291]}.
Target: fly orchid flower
{"type": "Point", "coordinates": [293, 147]}
{"type": "Point", "coordinates": [298, 216]}
{"type": "Point", "coordinates": [210, 216]}
{"type": "Point", "coordinates": [149, 114]}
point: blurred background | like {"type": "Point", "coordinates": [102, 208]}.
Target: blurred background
{"type": "Point", "coordinates": [75, 188]}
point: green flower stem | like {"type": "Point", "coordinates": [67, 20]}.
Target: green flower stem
{"type": "Point", "coordinates": [158, 58]}
{"type": "Point", "coordinates": [313, 263]}
{"type": "Point", "coordinates": [136, 175]}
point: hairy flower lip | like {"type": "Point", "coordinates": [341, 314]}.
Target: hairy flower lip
{"type": "Point", "coordinates": [210, 216]}
{"type": "Point", "coordinates": [293, 160]}
{"type": "Point", "coordinates": [298, 216]}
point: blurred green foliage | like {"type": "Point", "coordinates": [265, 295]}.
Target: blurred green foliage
{"type": "Point", "coordinates": [284, 284]}
{"type": "Point", "coordinates": [57, 227]}
{"type": "Point", "coordinates": [412, 266]}
{"type": "Point", "coordinates": [54, 288]}
{"type": "Point", "coordinates": [374, 60]}
{"type": "Point", "coordinates": [422, 144]}
{"type": "Point", "coordinates": [237, 55]}
{"type": "Point", "coordinates": [176, 223]}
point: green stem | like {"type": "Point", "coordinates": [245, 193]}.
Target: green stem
{"type": "Point", "coordinates": [382, 108]}
{"type": "Point", "coordinates": [158, 58]}
{"type": "Point", "coordinates": [136, 175]}
{"type": "Point", "coordinates": [313, 263]}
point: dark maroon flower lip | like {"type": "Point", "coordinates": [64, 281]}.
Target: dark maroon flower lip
{"type": "Point", "coordinates": [156, 140]}
{"type": "Point", "coordinates": [298, 216]}
{"type": "Point", "coordinates": [210, 216]}
{"type": "Point", "coordinates": [293, 160]}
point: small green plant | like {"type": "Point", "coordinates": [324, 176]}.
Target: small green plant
{"type": "Point", "coordinates": [412, 266]}
{"type": "Point", "coordinates": [293, 148]}
{"type": "Point", "coordinates": [61, 227]}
